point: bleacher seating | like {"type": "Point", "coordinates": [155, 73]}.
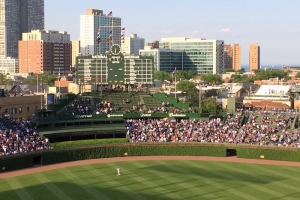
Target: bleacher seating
{"type": "Point", "coordinates": [137, 102]}
{"type": "Point", "coordinates": [267, 128]}
{"type": "Point", "coordinates": [273, 90]}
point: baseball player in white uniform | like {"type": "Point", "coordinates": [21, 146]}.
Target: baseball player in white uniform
{"type": "Point", "coordinates": [119, 171]}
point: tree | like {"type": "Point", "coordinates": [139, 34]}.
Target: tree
{"type": "Point", "coordinates": [237, 78]}
{"type": "Point", "coordinates": [241, 71]}
{"type": "Point", "coordinates": [186, 86]}
{"type": "Point", "coordinates": [229, 70]}
{"type": "Point", "coordinates": [161, 75]}
{"type": "Point", "coordinates": [210, 105]}
{"type": "Point", "coordinates": [271, 73]}
{"type": "Point", "coordinates": [47, 79]}
{"type": "Point", "coordinates": [218, 92]}
{"type": "Point", "coordinates": [211, 78]}
{"type": "Point", "coordinates": [4, 80]}
{"type": "Point", "coordinates": [297, 75]}
{"type": "Point", "coordinates": [185, 74]}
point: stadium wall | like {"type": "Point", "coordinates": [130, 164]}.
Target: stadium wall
{"type": "Point", "coordinates": [20, 161]}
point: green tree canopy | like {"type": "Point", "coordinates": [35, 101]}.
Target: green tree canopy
{"type": "Point", "coordinates": [229, 70]}
{"type": "Point", "coordinates": [186, 86]}
{"type": "Point", "coordinates": [185, 74]}
{"type": "Point", "coordinates": [180, 75]}
{"type": "Point", "coordinates": [297, 75]}
{"type": "Point", "coordinates": [237, 78]}
{"type": "Point", "coordinates": [4, 80]}
{"type": "Point", "coordinates": [270, 73]}
{"type": "Point", "coordinates": [241, 71]}
{"type": "Point", "coordinates": [47, 79]}
{"type": "Point", "coordinates": [210, 105]}
{"type": "Point", "coordinates": [161, 75]}
{"type": "Point", "coordinates": [211, 78]}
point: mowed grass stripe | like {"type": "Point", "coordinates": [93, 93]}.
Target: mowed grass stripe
{"type": "Point", "coordinates": [259, 187]}
{"type": "Point", "coordinates": [6, 192]}
{"type": "Point", "coordinates": [280, 184]}
{"type": "Point", "coordinates": [81, 183]}
{"type": "Point", "coordinates": [191, 187]}
{"type": "Point", "coordinates": [159, 189]}
{"type": "Point", "coordinates": [117, 184]}
{"type": "Point", "coordinates": [18, 189]}
{"type": "Point", "coordinates": [167, 182]}
{"type": "Point", "coordinates": [283, 171]}
{"type": "Point", "coordinates": [181, 188]}
{"type": "Point", "coordinates": [225, 186]}
{"type": "Point", "coordinates": [60, 194]}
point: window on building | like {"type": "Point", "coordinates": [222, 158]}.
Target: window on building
{"type": "Point", "coordinates": [13, 111]}
{"type": "Point", "coordinates": [20, 110]}
{"type": "Point", "coordinates": [27, 109]}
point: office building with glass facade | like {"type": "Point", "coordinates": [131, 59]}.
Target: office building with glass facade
{"type": "Point", "coordinates": [204, 56]}
{"type": "Point", "coordinates": [164, 59]}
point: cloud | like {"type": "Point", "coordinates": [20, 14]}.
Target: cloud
{"type": "Point", "coordinates": [165, 31]}
{"type": "Point", "coordinates": [225, 30]}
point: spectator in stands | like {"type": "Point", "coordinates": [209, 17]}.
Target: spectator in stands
{"type": "Point", "coordinates": [22, 138]}
{"type": "Point", "coordinates": [165, 104]}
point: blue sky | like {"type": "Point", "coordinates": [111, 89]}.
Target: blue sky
{"type": "Point", "coordinates": [274, 25]}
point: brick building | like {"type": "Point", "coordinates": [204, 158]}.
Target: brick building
{"type": "Point", "coordinates": [21, 106]}
{"type": "Point", "coordinates": [43, 51]}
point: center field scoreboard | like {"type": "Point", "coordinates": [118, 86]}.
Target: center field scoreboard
{"type": "Point", "coordinates": [114, 69]}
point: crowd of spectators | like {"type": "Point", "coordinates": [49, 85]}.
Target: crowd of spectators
{"type": "Point", "coordinates": [262, 128]}
{"type": "Point", "coordinates": [268, 128]}
{"type": "Point", "coordinates": [105, 107]}
{"type": "Point", "coordinates": [183, 130]}
{"type": "Point", "coordinates": [80, 106]}
{"type": "Point", "coordinates": [21, 138]}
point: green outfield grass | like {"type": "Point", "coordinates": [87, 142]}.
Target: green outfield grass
{"type": "Point", "coordinates": [157, 180]}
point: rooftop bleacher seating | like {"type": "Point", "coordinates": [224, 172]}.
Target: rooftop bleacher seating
{"type": "Point", "coordinates": [273, 90]}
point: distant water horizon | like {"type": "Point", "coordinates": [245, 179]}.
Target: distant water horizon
{"type": "Point", "coordinates": [246, 67]}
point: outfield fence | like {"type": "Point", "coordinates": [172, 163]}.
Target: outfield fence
{"type": "Point", "coordinates": [59, 155]}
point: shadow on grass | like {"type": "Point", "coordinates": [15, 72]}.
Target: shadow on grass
{"type": "Point", "coordinates": [76, 192]}
{"type": "Point", "coordinates": [220, 174]}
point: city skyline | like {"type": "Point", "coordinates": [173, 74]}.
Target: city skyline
{"type": "Point", "coordinates": [271, 25]}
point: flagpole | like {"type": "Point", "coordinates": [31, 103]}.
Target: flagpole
{"type": "Point", "coordinates": [41, 101]}
{"type": "Point", "coordinates": [175, 84]}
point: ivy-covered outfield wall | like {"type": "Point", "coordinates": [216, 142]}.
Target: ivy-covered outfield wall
{"type": "Point", "coordinates": [284, 154]}
{"type": "Point", "coordinates": [20, 161]}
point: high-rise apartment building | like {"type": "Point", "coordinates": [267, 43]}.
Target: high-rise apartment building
{"type": "Point", "coordinates": [8, 65]}
{"type": "Point", "coordinates": [132, 44]}
{"type": "Point", "coordinates": [227, 56]}
{"type": "Point", "coordinates": [201, 55]}
{"type": "Point", "coordinates": [43, 51]}
{"type": "Point", "coordinates": [254, 57]}
{"type": "Point", "coordinates": [232, 56]}
{"type": "Point", "coordinates": [236, 57]}
{"type": "Point", "coordinates": [75, 51]}
{"type": "Point", "coordinates": [93, 25]}
{"type": "Point", "coordinates": [17, 17]}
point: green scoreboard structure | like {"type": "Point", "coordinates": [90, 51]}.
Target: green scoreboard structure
{"type": "Point", "coordinates": [114, 69]}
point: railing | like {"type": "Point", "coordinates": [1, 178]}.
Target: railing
{"type": "Point", "coordinates": [268, 97]}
